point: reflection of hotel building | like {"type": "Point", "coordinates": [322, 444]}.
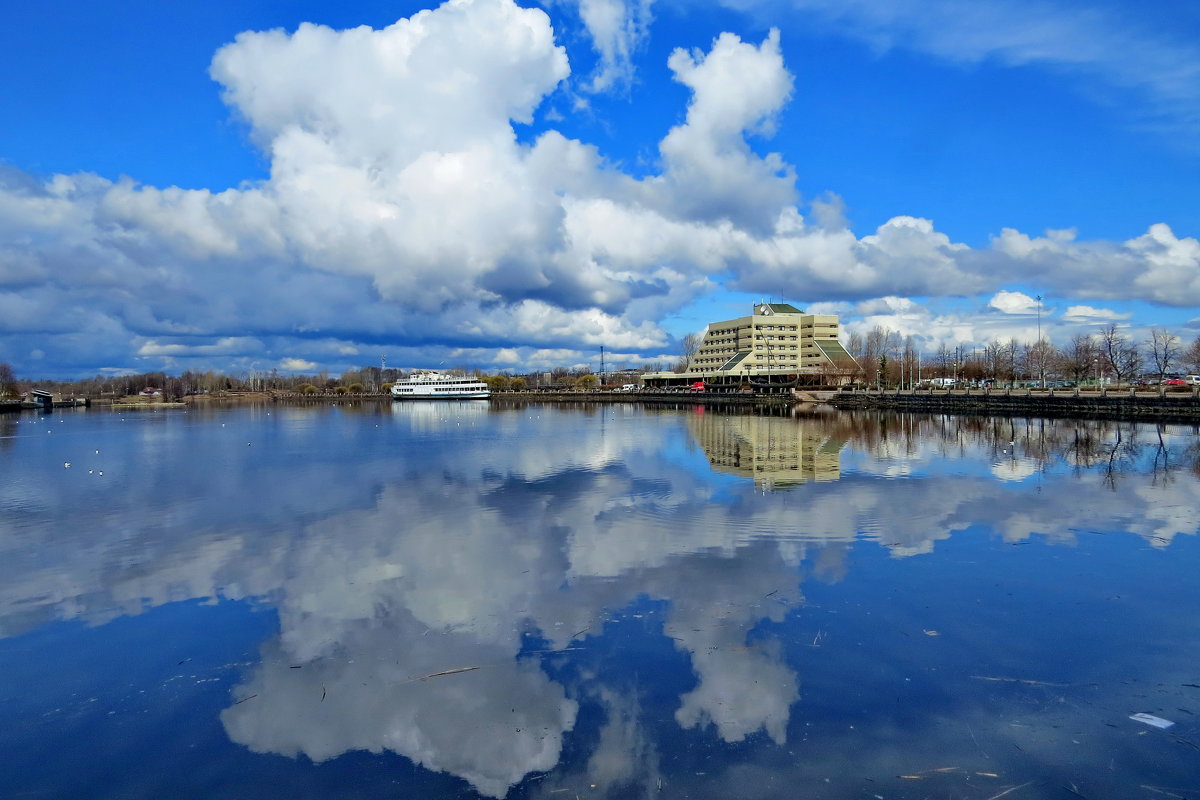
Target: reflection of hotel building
{"type": "Point", "coordinates": [772, 451]}
{"type": "Point", "coordinates": [777, 339]}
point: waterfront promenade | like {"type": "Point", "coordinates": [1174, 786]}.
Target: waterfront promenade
{"type": "Point", "coordinates": [1148, 404]}
{"type": "Point", "coordinates": [1151, 403]}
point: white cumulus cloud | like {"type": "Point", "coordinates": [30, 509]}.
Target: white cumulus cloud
{"type": "Point", "coordinates": [1091, 314]}
{"type": "Point", "coordinates": [1013, 303]}
{"type": "Point", "coordinates": [403, 210]}
{"type": "Point", "coordinates": [297, 365]}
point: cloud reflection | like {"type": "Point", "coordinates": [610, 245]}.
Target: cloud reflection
{"type": "Point", "coordinates": [437, 543]}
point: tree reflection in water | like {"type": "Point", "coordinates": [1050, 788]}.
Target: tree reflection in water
{"type": "Point", "coordinates": [641, 602]}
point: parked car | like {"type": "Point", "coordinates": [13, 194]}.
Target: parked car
{"type": "Point", "coordinates": [1193, 380]}
{"type": "Point", "coordinates": [1174, 382]}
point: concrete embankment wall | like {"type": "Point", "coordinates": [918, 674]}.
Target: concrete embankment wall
{"type": "Point", "coordinates": [316, 397]}
{"type": "Point", "coordinates": [1062, 403]}
{"type": "Point", "coordinates": [648, 398]}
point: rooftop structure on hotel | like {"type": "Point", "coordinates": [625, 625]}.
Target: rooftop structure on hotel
{"type": "Point", "coordinates": [776, 343]}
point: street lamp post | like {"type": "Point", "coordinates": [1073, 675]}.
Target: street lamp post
{"type": "Point", "coordinates": [1041, 360]}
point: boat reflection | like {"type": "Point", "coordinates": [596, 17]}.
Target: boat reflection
{"type": "Point", "coordinates": [430, 415]}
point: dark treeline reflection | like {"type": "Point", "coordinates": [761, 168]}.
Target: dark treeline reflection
{"type": "Point", "coordinates": [549, 602]}
{"type": "Point", "coordinates": [1113, 448]}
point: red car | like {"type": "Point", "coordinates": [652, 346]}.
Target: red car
{"type": "Point", "coordinates": [1174, 382]}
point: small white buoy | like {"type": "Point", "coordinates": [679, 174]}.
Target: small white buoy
{"type": "Point", "coordinates": [91, 472]}
{"type": "Point", "coordinates": [101, 472]}
{"type": "Point", "coordinates": [67, 464]}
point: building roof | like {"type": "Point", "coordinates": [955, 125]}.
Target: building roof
{"type": "Point", "coordinates": [833, 350]}
{"type": "Point", "coordinates": [777, 308]}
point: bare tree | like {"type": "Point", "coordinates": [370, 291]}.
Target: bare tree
{"type": "Point", "coordinates": [908, 362]}
{"type": "Point", "coordinates": [1163, 347]}
{"type": "Point", "coordinates": [1080, 358]}
{"type": "Point", "coordinates": [879, 351]}
{"type": "Point", "coordinates": [688, 345]}
{"type": "Point", "coordinates": [944, 358]}
{"type": "Point", "coordinates": [993, 359]}
{"type": "Point", "coordinates": [1011, 351]}
{"type": "Point", "coordinates": [1191, 356]}
{"type": "Point", "coordinates": [1118, 354]}
{"type": "Point", "coordinates": [856, 348]}
{"type": "Point", "coordinates": [8, 381]}
{"type": "Point", "coordinates": [854, 344]}
{"type": "Point", "coordinates": [1038, 357]}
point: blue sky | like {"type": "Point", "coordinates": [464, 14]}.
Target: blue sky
{"type": "Point", "coordinates": [511, 186]}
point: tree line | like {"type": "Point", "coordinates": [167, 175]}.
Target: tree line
{"type": "Point", "coordinates": [1110, 355]}
{"type": "Point", "coordinates": [371, 379]}
{"type": "Point", "coordinates": [884, 358]}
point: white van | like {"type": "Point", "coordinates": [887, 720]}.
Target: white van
{"type": "Point", "coordinates": [1193, 380]}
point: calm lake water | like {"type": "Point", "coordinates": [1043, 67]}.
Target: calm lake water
{"type": "Point", "coordinates": [464, 600]}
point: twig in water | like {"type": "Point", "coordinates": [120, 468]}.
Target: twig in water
{"type": "Point", "coordinates": [976, 741]}
{"type": "Point", "coordinates": [1007, 791]}
{"type": "Point", "coordinates": [1017, 680]}
{"type": "Point", "coordinates": [244, 699]}
{"type": "Point", "coordinates": [443, 673]}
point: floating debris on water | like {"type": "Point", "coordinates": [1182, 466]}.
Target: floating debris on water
{"type": "Point", "coordinates": [1150, 719]}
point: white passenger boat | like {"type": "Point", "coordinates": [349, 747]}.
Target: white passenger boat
{"type": "Point", "coordinates": [439, 386]}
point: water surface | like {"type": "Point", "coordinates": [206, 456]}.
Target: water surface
{"type": "Point", "coordinates": [464, 600]}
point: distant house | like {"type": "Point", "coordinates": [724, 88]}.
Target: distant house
{"type": "Point", "coordinates": [150, 391]}
{"type": "Point", "coordinates": [38, 398]}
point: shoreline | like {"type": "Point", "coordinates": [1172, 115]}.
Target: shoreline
{"type": "Point", "coordinates": [1145, 406]}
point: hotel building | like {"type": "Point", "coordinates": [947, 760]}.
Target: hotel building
{"type": "Point", "coordinates": [777, 341]}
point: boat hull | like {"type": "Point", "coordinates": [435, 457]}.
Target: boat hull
{"type": "Point", "coordinates": [443, 396]}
